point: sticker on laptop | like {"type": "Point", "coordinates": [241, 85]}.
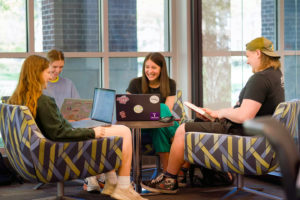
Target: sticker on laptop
{"type": "Point", "coordinates": [138, 109]}
{"type": "Point", "coordinates": [123, 99]}
{"type": "Point", "coordinates": [154, 99]}
{"type": "Point", "coordinates": [154, 116]}
{"type": "Point", "coordinates": [122, 114]}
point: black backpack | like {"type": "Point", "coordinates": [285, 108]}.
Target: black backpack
{"type": "Point", "coordinates": [8, 176]}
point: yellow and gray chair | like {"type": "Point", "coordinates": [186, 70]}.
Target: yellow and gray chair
{"type": "Point", "coordinates": [38, 159]}
{"type": "Point", "coordinates": [4, 99]}
{"type": "Point", "coordinates": [242, 155]}
{"type": "Point", "coordinates": [285, 148]}
{"type": "Point", "coordinates": [178, 111]}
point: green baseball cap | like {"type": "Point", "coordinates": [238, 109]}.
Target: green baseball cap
{"type": "Point", "coordinates": [263, 44]}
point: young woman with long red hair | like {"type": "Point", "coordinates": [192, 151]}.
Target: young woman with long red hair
{"type": "Point", "coordinates": [33, 79]}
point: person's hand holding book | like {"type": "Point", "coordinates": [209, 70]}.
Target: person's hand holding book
{"type": "Point", "coordinates": [208, 111]}
{"type": "Point", "coordinates": [201, 113]}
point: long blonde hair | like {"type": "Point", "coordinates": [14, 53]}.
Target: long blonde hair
{"type": "Point", "coordinates": [31, 83]}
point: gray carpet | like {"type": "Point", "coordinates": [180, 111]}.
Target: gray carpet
{"type": "Point", "coordinates": [74, 189]}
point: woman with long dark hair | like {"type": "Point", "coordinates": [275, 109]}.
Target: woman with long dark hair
{"type": "Point", "coordinates": [155, 80]}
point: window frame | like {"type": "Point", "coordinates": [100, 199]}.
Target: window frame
{"type": "Point", "coordinates": [104, 54]}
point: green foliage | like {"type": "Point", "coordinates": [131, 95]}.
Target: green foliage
{"type": "Point", "coordinates": [3, 67]}
{"type": "Point", "coordinates": [9, 76]}
{"type": "Point", "coordinates": [4, 5]}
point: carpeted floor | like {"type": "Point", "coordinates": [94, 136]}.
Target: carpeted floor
{"type": "Point", "coordinates": [74, 189]}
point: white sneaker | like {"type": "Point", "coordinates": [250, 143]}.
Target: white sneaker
{"type": "Point", "coordinates": [91, 184]}
{"type": "Point", "coordinates": [126, 194]}
{"type": "Point", "coordinates": [108, 188]}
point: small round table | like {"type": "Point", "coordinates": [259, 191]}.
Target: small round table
{"type": "Point", "coordinates": [136, 127]}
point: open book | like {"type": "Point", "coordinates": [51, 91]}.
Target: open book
{"type": "Point", "coordinates": [199, 110]}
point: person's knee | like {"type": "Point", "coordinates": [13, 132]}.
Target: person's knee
{"type": "Point", "coordinates": [180, 132]}
{"type": "Point", "coordinates": [126, 135]}
{"type": "Point", "coordinates": [124, 131]}
{"type": "Point", "coordinates": [127, 131]}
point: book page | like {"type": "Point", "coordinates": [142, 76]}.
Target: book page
{"type": "Point", "coordinates": [199, 110]}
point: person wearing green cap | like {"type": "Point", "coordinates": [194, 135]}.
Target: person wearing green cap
{"type": "Point", "coordinates": [262, 93]}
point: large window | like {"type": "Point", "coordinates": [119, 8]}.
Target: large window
{"type": "Point", "coordinates": [73, 26]}
{"type": "Point", "coordinates": [91, 41]}
{"type": "Point", "coordinates": [84, 70]}
{"type": "Point", "coordinates": [13, 26]}
{"type": "Point", "coordinates": [103, 40]}
{"type": "Point", "coordinates": [9, 74]}
{"type": "Point", "coordinates": [228, 26]}
{"type": "Point", "coordinates": [142, 26]}
{"type": "Point", "coordinates": [291, 49]}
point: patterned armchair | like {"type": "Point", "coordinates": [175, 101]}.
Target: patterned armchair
{"type": "Point", "coordinates": [4, 99]}
{"type": "Point", "coordinates": [38, 159]}
{"type": "Point", "coordinates": [178, 111]}
{"type": "Point", "coordinates": [285, 148]}
{"type": "Point", "coordinates": [242, 155]}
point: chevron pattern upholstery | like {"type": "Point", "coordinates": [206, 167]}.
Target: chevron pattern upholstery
{"type": "Point", "coordinates": [242, 155]}
{"type": "Point", "coordinates": [288, 114]}
{"type": "Point", "coordinates": [239, 154]}
{"type": "Point", "coordinates": [4, 99]}
{"type": "Point", "coordinates": [178, 109]}
{"type": "Point", "coordinates": [36, 158]}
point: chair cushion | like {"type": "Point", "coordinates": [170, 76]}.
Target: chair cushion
{"type": "Point", "coordinates": [222, 152]}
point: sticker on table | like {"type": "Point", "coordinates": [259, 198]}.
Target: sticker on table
{"type": "Point", "coordinates": [138, 109]}
{"type": "Point", "coordinates": [154, 99]}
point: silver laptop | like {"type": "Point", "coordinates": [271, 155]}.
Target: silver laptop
{"type": "Point", "coordinates": [102, 110]}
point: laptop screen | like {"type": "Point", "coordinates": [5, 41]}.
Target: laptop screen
{"type": "Point", "coordinates": [103, 105]}
{"type": "Point", "coordinates": [76, 109]}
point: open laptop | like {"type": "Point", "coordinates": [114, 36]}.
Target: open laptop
{"type": "Point", "coordinates": [137, 107]}
{"type": "Point", "coordinates": [76, 109]}
{"type": "Point", "coordinates": [102, 110]}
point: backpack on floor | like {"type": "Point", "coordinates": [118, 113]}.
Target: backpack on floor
{"type": "Point", "coordinates": [209, 177]}
{"type": "Point", "coordinates": [8, 176]}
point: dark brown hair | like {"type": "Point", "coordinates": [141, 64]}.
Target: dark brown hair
{"type": "Point", "coordinates": [164, 79]}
